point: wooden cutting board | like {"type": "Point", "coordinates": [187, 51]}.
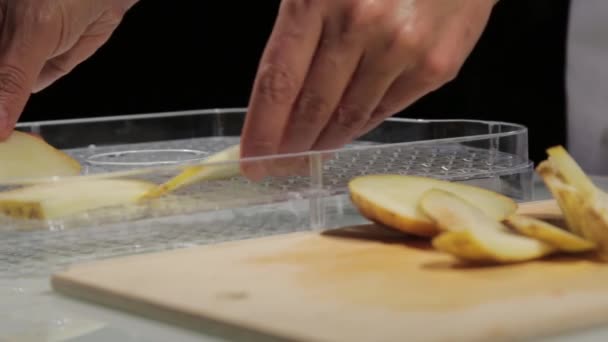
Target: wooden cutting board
{"type": "Point", "coordinates": [353, 284]}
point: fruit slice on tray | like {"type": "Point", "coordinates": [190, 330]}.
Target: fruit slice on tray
{"type": "Point", "coordinates": [227, 167]}
{"type": "Point", "coordinates": [56, 200]}
{"type": "Point", "coordinates": [393, 201]}
{"type": "Point", "coordinates": [26, 156]}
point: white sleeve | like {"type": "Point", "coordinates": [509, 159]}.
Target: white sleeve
{"type": "Point", "coordinates": [587, 84]}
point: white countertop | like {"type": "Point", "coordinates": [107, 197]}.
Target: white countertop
{"type": "Point", "coordinates": [30, 311]}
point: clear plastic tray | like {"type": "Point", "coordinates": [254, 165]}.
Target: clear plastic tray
{"type": "Point", "coordinates": [156, 147]}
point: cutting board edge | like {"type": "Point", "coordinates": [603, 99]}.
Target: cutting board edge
{"type": "Point", "coordinates": [247, 331]}
{"type": "Point", "coordinates": [63, 285]}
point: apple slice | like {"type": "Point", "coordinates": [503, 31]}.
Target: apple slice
{"type": "Point", "coordinates": [490, 246]}
{"type": "Point", "coordinates": [393, 201]}
{"type": "Point", "coordinates": [225, 169]}
{"type": "Point", "coordinates": [61, 199]}
{"type": "Point", "coordinates": [25, 156]}
{"type": "Point", "coordinates": [553, 235]}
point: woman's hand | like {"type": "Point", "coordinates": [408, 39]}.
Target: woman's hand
{"type": "Point", "coordinates": [42, 40]}
{"type": "Point", "coordinates": [334, 70]}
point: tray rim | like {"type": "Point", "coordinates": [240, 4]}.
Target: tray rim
{"type": "Point", "coordinates": [516, 130]}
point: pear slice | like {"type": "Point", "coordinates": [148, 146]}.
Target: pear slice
{"type": "Point", "coordinates": [226, 168]}
{"type": "Point", "coordinates": [490, 246]}
{"type": "Point", "coordinates": [553, 235]}
{"type": "Point", "coordinates": [570, 171]}
{"type": "Point", "coordinates": [56, 200]}
{"type": "Point", "coordinates": [26, 156]}
{"type": "Point", "coordinates": [471, 235]}
{"type": "Point", "coordinates": [584, 205]}
{"type": "Point", "coordinates": [393, 201]}
{"type": "Point", "coordinates": [453, 213]}
{"type": "Point", "coordinates": [566, 196]}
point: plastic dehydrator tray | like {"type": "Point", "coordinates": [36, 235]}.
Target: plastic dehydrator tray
{"type": "Point", "coordinates": [156, 147]}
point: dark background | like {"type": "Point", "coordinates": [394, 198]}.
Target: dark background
{"type": "Point", "coordinates": [194, 54]}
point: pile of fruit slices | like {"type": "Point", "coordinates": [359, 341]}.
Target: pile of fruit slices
{"type": "Point", "coordinates": [481, 226]}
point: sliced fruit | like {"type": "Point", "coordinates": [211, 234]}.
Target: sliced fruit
{"type": "Point", "coordinates": [546, 232]}
{"type": "Point", "coordinates": [25, 156]}
{"type": "Point", "coordinates": [61, 199]}
{"type": "Point", "coordinates": [566, 196]}
{"type": "Point", "coordinates": [490, 246]}
{"type": "Point", "coordinates": [547, 210]}
{"type": "Point", "coordinates": [471, 235]}
{"type": "Point", "coordinates": [453, 213]}
{"type": "Point", "coordinates": [393, 201]}
{"type": "Point", "coordinates": [225, 168]}
{"type": "Point", "coordinates": [569, 169]}
{"type": "Point", "coordinates": [585, 206]}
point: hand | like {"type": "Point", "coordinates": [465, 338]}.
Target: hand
{"type": "Point", "coordinates": [334, 70]}
{"type": "Point", "coordinates": [42, 40]}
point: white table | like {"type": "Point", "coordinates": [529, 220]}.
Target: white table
{"type": "Point", "coordinates": [30, 311]}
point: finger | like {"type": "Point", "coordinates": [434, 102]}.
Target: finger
{"type": "Point", "coordinates": [338, 55]}
{"type": "Point", "coordinates": [431, 70]}
{"type": "Point", "coordinates": [63, 64]}
{"type": "Point", "coordinates": [281, 73]}
{"type": "Point", "coordinates": [405, 90]}
{"type": "Point", "coordinates": [23, 52]}
{"type": "Point", "coordinates": [374, 76]}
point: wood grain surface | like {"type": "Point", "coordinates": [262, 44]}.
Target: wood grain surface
{"type": "Point", "coordinates": [364, 283]}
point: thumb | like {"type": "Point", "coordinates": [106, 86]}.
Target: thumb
{"type": "Point", "coordinates": [15, 89]}
{"type": "Point", "coordinates": [23, 53]}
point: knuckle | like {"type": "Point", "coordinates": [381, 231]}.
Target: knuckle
{"type": "Point", "coordinates": [404, 39]}
{"type": "Point", "coordinates": [58, 67]}
{"type": "Point", "coordinates": [276, 84]}
{"type": "Point", "coordinates": [351, 117]}
{"type": "Point", "coordinates": [12, 81]}
{"type": "Point", "coordinates": [361, 15]}
{"type": "Point", "coordinates": [436, 67]}
{"type": "Point", "coordinates": [297, 6]}
{"type": "Point", "coordinates": [312, 108]}
{"type": "Point", "coordinates": [115, 14]}
{"type": "Point", "coordinates": [384, 110]}
{"type": "Point", "coordinates": [38, 13]}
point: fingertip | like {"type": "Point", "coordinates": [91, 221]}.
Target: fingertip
{"type": "Point", "coordinates": [253, 171]}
